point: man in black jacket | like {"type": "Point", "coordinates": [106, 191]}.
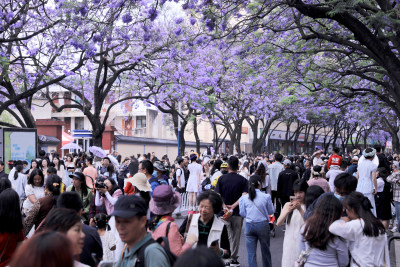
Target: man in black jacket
{"type": "Point", "coordinates": [286, 179]}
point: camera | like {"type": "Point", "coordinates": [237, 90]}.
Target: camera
{"type": "Point", "coordinates": [100, 185]}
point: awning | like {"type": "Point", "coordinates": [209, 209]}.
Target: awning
{"type": "Point", "coordinates": [66, 138]}
{"type": "Point", "coordinates": [48, 140]}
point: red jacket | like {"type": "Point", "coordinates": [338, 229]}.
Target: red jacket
{"type": "Point", "coordinates": [334, 160]}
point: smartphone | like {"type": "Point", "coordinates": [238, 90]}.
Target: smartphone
{"type": "Point", "coordinates": [292, 198]}
{"type": "Point", "coordinates": [214, 243]}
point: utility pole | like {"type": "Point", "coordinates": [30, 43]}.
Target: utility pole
{"type": "Point", "coordinates": [179, 128]}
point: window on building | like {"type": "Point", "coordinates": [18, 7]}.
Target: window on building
{"type": "Point", "coordinates": [79, 123]}
{"type": "Point", "coordinates": [140, 121]}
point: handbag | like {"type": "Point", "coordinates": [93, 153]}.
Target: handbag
{"type": "Point", "coordinates": [303, 257]}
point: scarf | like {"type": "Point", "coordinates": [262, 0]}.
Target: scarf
{"type": "Point", "coordinates": [163, 219]}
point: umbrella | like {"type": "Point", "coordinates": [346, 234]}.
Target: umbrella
{"type": "Point", "coordinates": [71, 146]}
{"type": "Point", "coordinates": [113, 160]}
{"type": "Point", "coordinates": [98, 151]}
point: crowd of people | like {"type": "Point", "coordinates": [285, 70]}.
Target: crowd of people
{"type": "Point", "coordinates": [81, 210]}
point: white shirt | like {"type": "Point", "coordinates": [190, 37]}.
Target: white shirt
{"type": "Point", "coordinates": [180, 176]}
{"type": "Point", "coordinates": [381, 184]}
{"type": "Point", "coordinates": [331, 175]}
{"type": "Point", "coordinates": [367, 251]}
{"type": "Point", "coordinates": [38, 191]}
{"type": "Point", "coordinates": [19, 184]}
{"type": "Point", "coordinates": [274, 170]}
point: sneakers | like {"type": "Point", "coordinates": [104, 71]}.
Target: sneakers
{"type": "Point", "coordinates": [234, 263]}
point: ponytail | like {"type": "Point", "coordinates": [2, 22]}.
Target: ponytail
{"type": "Point", "coordinates": [18, 169]}
{"type": "Point", "coordinates": [254, 183]}
{"type": "Point", "coordinates": [362, 207]}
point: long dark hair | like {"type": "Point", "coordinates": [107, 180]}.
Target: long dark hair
{"type": "Point", "coordinates": [254, 183]}
{"type": "Point", "coordinates": [298, 185]}
{"type": "Point", "coordinates": [261, 172]}
{"type": "Point", "coordinates": [84, 187]}
{"type": "Point", "coordinates": [10, 213]}
{"type": "Point", "coordinates": [115, 187]}
{"type": "Point", "coordinates": [316, 230]}
{"type": "Point", "coordinates": [312, 194]}
{"type": "Point", "coordinates": [18, 169]}
{"type": "Point", "coordinates": [361, 205]}
{"type": "Point", "coordinates": [41, 163]}
{"type": "Point", "coordinates": [33, 174]}
{"type": "Point", "coordinates": [61, 220]}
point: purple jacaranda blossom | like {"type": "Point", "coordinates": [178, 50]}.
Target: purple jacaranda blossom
{"type": "Point", "coordinates": [179, 20]}
{"type": "Point", "coordinates": [126, 18]}
{"type": "Point", "coordinates": [153, 13]}
{"type": "Point", "coordinates": [178, 31]}
{"type": "Point", "coordinates": [68, 73]}
{"type": "Point", "coordinates": [146, 36]}
{"type": "Point", "coordinates": [97, 38]}
{"type": "Point", "coordinates": [210, 24]}
{"type": "Point", "coordinates": [193, 21]}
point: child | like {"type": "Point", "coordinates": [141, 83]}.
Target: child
{"type": "Point", "coordinates": [365, 234]}
{"type": "Point", "coordinates": [107, 237]}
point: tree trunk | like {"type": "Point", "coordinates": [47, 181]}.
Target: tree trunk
{"type": "Point", "coordinates": [395, 143]}
{"type": "Point", "coordinates": [196, 135]}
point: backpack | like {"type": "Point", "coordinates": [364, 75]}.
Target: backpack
{"type": "Point", "coordinates": [174, 182]}
{"type": "Point", "coordinates": [140, 259]}
{"type": "Point", "coordinates": [206, 184]}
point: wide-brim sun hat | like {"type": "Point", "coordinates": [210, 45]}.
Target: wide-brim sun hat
{"type": "Point", "coordinates": [355, 152]}
{"type": "Point", "coordinates": [140, 181]}
{"type": "Point", "coordinates": [317, 152]}
{"type": "Point", "coordinates": [164, 200]}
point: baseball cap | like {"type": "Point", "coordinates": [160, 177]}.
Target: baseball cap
{"type": "Point", "coordinates": [287, 162]}
{"type": "Point", "coordinates": [224, 165]}
{"type": "Point", "coordinates": [129, 206]}
{"type": "Point", "coordinates": [78, 175]}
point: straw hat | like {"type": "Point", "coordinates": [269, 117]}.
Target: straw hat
{"type": "Point", "coordinates": [140, 181]}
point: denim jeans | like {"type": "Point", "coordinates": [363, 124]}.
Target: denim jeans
{"type": "Point", "coordinates": [397, 208]}
{"type": "Point", "coordinates": [258, 232]}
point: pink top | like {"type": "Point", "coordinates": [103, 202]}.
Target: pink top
{"type": "Point", "coordinates": [176, 242]}
{"type": "Point", "coordinates": [109, 201]}
{"type": "Point", "coordinates": [321, 182]}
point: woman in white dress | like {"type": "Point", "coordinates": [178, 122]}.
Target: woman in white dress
{"type": "Point", "coordinates": [194, 181]}
{"type": "Point", "coordinates": [293, 214]}
{"type": "Point", "coordinates": [34, 190]}
{"type": "Point", "coordinates": [366, 175]}
{"type": "Point", "coordinates": [244, 170]}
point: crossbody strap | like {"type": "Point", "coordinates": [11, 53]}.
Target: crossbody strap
{"type": "Point", "coordinates": [260, 211]}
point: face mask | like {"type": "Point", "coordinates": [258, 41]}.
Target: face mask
{"type": "Point", "coordinates": [339, 197]}
{"type": "Point", "coordinates": [155, 173]}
